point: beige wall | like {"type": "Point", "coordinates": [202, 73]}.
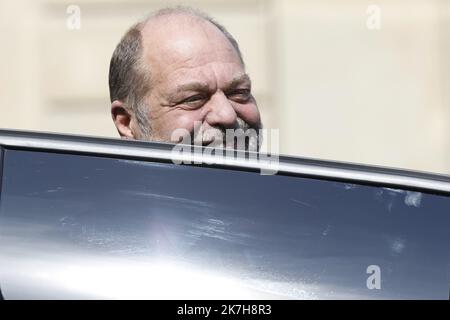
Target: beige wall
{"type": "Point", "coordinates": [334, 88]}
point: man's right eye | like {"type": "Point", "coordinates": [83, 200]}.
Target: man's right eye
{"type": "Point", "coordinates": [195, 98]}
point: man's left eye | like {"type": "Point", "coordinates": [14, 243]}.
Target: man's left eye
{"type": "Point", "coordinates": [242, 95]}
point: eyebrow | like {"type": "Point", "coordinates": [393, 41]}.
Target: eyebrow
{"type": "Point", "coordinates": [238, 81]}
{"type": "Point", "coordinates": [192, 86]}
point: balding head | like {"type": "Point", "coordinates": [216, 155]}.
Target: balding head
{"type": "Point", "coordinates": [178, 60]}
{"type": "Point", "coordinates": [180, 17]}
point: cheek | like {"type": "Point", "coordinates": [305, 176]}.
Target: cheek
{"type": "Point", "coordinates": [183, 119]}
{"type": "Point", "coordinates": [249, 113]}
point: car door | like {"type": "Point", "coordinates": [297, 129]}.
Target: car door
{"type": "Point", "coordinates": [97, 219]}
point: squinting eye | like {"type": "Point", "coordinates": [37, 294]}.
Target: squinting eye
{"type": "Point", "coordinates": [195, 98]}
{"type": "Point", "coordinates": [242, 95]}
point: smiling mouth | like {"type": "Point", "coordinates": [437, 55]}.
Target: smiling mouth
{"type": "Point", "coordinates": [238, 141]}
{"type": "Point", "coordinates": [224, 145]}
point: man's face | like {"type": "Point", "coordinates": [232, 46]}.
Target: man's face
{"type": "Point", "coordinates": [197, 80]}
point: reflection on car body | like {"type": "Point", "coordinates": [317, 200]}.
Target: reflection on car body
{"type": "Point", "coordinates": [99, 218]}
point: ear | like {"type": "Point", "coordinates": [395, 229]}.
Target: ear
{"type": "Point", "coordinates": [122, 119]}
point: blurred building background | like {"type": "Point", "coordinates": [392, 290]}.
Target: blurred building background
{"type": "Point", "coordinates": [349, 80]}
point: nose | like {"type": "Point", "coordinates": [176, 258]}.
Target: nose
{"type": "Point", "coordinates": [221, 112]}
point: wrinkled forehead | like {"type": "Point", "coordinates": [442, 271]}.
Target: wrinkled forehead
{"type": "Point", "coordinates": [183, 42]}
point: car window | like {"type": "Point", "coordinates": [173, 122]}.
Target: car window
{"type": "Point", "coordinates": [77, 226]}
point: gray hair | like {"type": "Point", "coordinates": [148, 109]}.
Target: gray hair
{"type": "Point", "coordinates": [129, 76]}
